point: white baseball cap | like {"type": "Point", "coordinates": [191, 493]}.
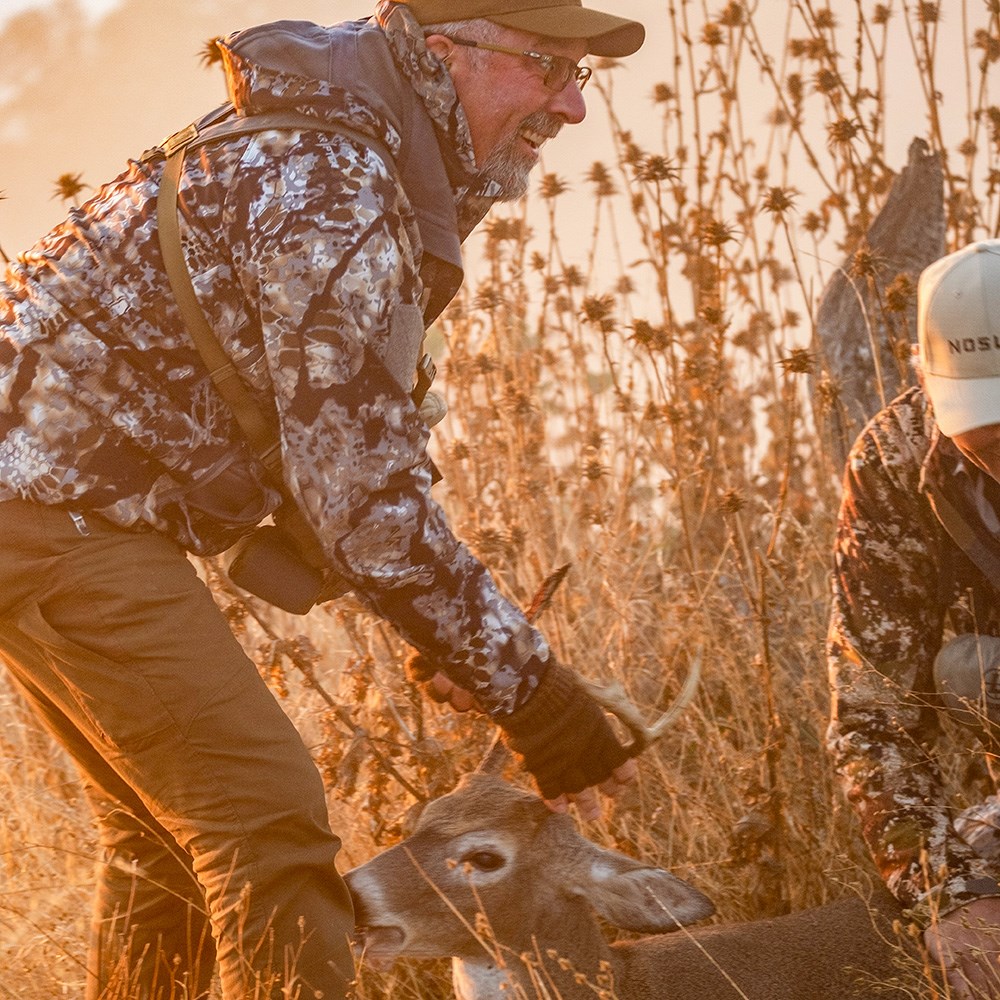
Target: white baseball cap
{"type": "Point", "coordinates": [958, 327]}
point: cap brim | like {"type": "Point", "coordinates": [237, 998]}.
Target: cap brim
{"type": "Point", "coordinates": [963, 404]}
{"type": "Point", "coordinates": [605, 34]}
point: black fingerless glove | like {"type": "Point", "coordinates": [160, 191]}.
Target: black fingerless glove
{"type": "Point", "coordinates": [563, 736]}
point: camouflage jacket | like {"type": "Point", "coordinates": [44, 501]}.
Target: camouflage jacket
{"type": "Point", "coordinates": [307, 258]}
{"type": "Point", "coordinates": [901, 586]}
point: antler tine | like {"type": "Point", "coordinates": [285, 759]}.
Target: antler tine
{"type": "Point", "coordinates": [496, 758]}
{"type": "Point", "coordinates": [612, 698]}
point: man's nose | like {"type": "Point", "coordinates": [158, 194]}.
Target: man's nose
{"type": "Point", "coordinates": [569, 104]}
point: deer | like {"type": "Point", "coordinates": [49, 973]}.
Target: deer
{"type": "Point", "coordinates": [514, 894]}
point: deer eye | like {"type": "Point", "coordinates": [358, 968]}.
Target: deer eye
{"type": "Point", "coordinates": [484, 861]}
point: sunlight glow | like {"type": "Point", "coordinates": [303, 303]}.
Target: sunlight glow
{"type": "Point", "coordinates": [94, 9]}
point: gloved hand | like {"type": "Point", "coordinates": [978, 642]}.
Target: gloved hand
{"type": "Point", "coordinates": [563, 736]}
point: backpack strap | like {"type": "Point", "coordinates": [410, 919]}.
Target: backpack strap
{"type": "Point", "coordinates": [220, 124]}
{"type": "Point", "coordinates": [962, 534]}
{"type": "Point", "coordinates": [260, 431]}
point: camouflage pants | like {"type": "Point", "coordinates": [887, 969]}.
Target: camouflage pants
{"type": "Point", "coordinates": [212, 819]}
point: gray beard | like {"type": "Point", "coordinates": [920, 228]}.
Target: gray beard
{"type": "Point", "coordinates": [506, 165]}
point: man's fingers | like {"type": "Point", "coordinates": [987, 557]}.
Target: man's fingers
{"type": "Point", "coordinates": [461, 700]}
{"type": "Point", "coordinates": [444, 691]}
{"type": "Point", "coordinates": [969, 981]}
{"type": "Point", "coordinates": [439, 688]}
{"type": "Point", "coordinates": [588, 804]}
{"type": "Point", "coordinates": [620, 777]}
{"type": "Point", "coordinates": [627, 774]}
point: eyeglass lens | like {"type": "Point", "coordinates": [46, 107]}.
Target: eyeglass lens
{"type": "Point", "coordinates": [560, 70]}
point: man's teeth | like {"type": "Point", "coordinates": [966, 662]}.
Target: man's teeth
{"type": "Point", "coordinates": [533, 138]}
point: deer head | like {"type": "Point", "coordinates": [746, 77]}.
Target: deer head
{"type": "Point", "coordinates": [491, 851]}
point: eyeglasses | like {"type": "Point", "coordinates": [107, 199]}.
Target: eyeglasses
{"type": "Point", "coordinates": [557, 70]}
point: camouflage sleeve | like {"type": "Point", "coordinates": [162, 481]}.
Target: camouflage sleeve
{"type": "Point", "coordinates": [885, 629]}
{"type": "Point", "coordinates": [326, 249]}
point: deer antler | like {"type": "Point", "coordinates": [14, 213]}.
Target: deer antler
{"type": "Point", "coordinates": [612, 698]}
{"type": "Point", "coordinates": [496, 758]}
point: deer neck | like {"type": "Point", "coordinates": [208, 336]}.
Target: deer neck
{"type": "Point", "coordinates": [480, 979]}
{"type": "Point", "coordinates": [567, 945]}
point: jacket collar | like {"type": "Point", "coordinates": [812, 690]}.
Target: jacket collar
{"type": "Point", "coordinates": [432, 83]}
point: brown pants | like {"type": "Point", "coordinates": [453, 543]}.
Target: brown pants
{"type": "Point", "coordinates": [212, 818]}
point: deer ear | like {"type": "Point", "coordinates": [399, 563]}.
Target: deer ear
{"type": "Point", "coordinates": [411, 818]}
{"type": "Point", "coordinates": [638, 898]}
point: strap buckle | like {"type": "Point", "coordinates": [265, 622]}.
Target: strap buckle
{"type": "Point", "coordinates": [179, 139]}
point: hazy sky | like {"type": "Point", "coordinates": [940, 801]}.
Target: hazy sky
{"type": "Point", "coordinates": [86, 84]}
{"type": "Point", "coordinates": [93, 8]}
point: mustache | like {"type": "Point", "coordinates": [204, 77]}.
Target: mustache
{"type": "Point", "coordinates": [543, 123]}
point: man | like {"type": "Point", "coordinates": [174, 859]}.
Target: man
{"type": "Point", "coordinates": [916, 616]}
{"type": "Point", "coordinates": [318, 256]}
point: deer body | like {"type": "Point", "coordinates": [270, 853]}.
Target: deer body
{"type": "Point", "coordinates": [510, 891]}
{"type": "Point", "coordinates": [832, 952]}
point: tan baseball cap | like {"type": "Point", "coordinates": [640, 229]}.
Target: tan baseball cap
{"type": "Point", "coordinates": [606, 34]}
{"type": "Point", "coordinates": [958, 328]}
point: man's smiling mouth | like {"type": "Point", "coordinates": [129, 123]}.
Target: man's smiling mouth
{"type": "Point", "coordinates": [533, 138]}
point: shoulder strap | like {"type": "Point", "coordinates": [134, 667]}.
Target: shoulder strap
{"type": "Point", "coordinates": [224, 123]}
{"type": "Point", "coordinates": [259, 430]}
{"type": "Point", "coordinates": [955, 506]}
{"type": "Point", "coordinates": [962, 533]}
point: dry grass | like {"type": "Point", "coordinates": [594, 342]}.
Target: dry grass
{"type": "Point", "coordinates": [644, 414]}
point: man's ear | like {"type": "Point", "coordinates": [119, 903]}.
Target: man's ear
{"type": "Point", "coordinates": [441, 45]}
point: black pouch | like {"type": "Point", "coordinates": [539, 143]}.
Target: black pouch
{"type": "Point", "coordinates": [268, 565]}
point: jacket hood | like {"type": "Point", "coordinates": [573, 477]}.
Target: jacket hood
{"type": "Point", "coordinates": [326, 72]}
{"type": "Point", "coordinates": [376, 76]}
{"type": "Point", "coordinates": [368, 74]}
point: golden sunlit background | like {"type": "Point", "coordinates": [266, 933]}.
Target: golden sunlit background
{"type": "Point", "coordinates": [85, 84]}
